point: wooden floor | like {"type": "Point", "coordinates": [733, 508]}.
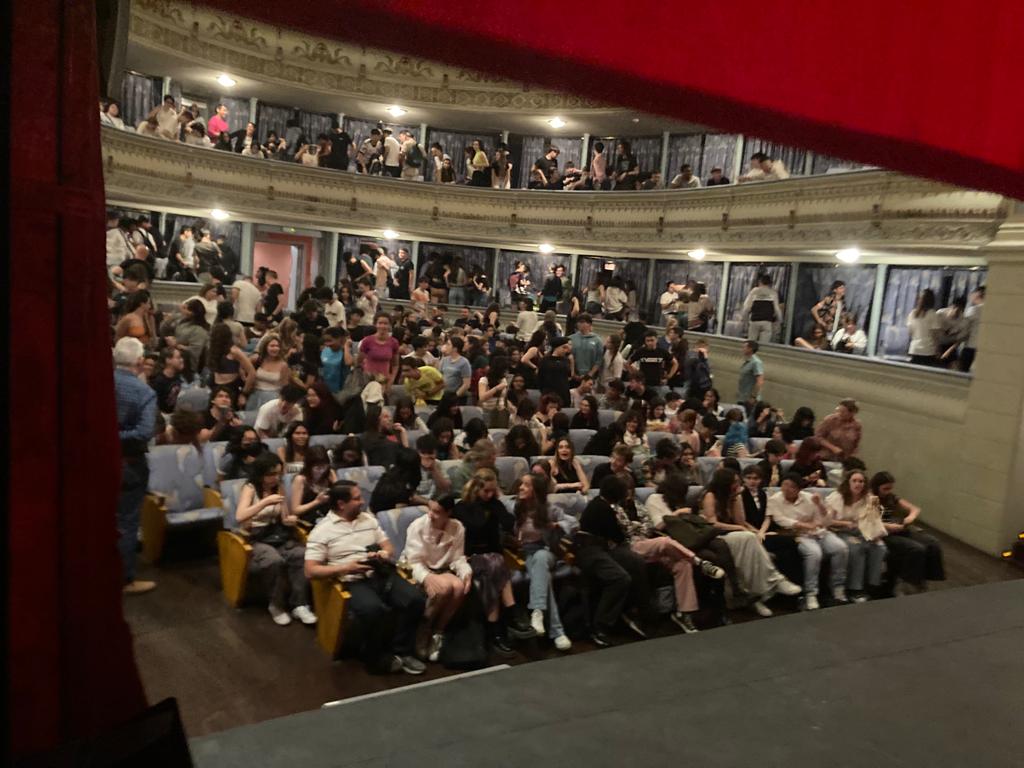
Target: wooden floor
{"type": "Point", "coordinates": [232, 667]}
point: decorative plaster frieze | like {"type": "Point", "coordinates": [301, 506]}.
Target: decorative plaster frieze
{"type": "Point", "coordinates": [855, 208]}
{"type": "Point", "coordinates": [281, 55]}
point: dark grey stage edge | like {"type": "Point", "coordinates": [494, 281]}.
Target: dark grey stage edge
{"type": "Point", "coordinates": [930, 680]}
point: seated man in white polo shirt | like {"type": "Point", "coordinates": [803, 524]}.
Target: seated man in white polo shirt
{"type": "Point", "coordinates": [348, 544]}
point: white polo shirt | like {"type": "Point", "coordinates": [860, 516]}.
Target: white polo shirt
{"type": "Point", "coordinates": [336, 541]}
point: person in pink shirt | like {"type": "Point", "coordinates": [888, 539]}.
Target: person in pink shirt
{"type": "Point", "coordinates": [379, 353]}
{"type": "Point", "coordinates": [218, 123]}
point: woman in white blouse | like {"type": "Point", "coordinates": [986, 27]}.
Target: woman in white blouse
{"type": "Point", "coordinates": [434, 550]}
{"type": "Point", "coordinates": [613, 362]}
{"type": "Point", "coordinates": [856, 519]}
{"type": "Point", "coordinates": [925, 330]}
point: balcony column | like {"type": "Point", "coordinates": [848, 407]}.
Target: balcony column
{"type": "Point", "coordinates": [872, 323]}
{"type": "Point", "coordinates": [504, 137]}
{"type": "Point", "coordinates": [165, 88]}
{"type": "Point", "coordinates": [253, 108]}
{"type": "Point", "coordinates": [737, 160]}
{"type": "Point", "coordinates": [246, 256]}
{"type": "Point", "coordinates": [333, 242]}
{"type": "Point", "coordinates": [986, 509]}
{"type": "Point", "coordinates": [584, 151]}
{"type": "Point", "coordinates": [787, 328]}
{"type": "Point", "coordinates": [723, 294]}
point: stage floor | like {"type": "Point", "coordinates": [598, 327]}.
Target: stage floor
{"type": "Point", "coordinates": [930, 680]}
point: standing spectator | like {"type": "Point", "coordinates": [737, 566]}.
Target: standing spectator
{"type": "Point", "coordinates": [378, 354]}
{"type": "Point", "coordinates": [764, 168]}
{"type": "Point", "coordinates": [925, 329]}
{"type": "Point", "coordinates": [405, 276]}
{"type": "Point", "coordinates": [479, 166]}
{"type": "Point", "coordinates": [700, 309]}
{"type": "Point", "coordinates": [437, 157]}
{"type": "Point", "coordinates": [762, 309]}
{"type": "Point", "coordinates": [717, 178]}
{"type": "Point", "coordinates": [341, 148]}
{"type": "Point", "coordinates": [615, 300]}
{"type": "Point", "coordinates": [544, 169]}
{"type": "Point", "coordinates": [413, 157]}
{"type": "Point", "coordinates": [501, 168]}
{"type": "Point", "coordinates": [136, 422]}
{"type": "Point", "coordinates": [273, 299]}
{"type": "Point", "coordinates": [368, 159]}
{"type": "Point", "coordinates": [392, 155]}
{"type": "Point", "coordinates": [457, 372]}
{"type": "Point", "coordinates": [805, 514]}
{"type": "Point", "coordinates": [599, 167]}
{"type": "Point", "coordinates": [612, 363]}
{"type": "Point", "coordinates": [751, 382]}
{"type": "Point", "coordinates": [218, 122]}
{"type": "Point", "coordinates": [652, 362]}
{"type": "Point", "coordinates": [587, 347]}
{"type": "Point", "coordinates": [840, 432]}
{"type": "Point", "coordinates": [347, 544]}
{"type": "Point", "coordinates": [626, 171]}
{"type": "Point", "coordinates": [669, 301]}
{"type": "Point", "coordinates": [208, 253]}
{"type": "Point", "coordinates": [192, 334]}
{"type": "Point", "coordinates": [168, 382]}
{"type": "Point", "coordinates": [336, 358]}
{"type": "Point", "coordinates": [552, 289]}
{"type": "Point", "coordinates": [553, 373]}
{"type": "Point", "coordinates": [685, 179]}
{"type": "Point", "coordinates": [828, 312]}
{"type": "Point", "coordinates": [973, 315]}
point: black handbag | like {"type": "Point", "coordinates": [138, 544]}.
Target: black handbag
{"type": "Point", "coordinates": [691, 530]}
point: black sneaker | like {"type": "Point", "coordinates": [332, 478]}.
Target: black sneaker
{"type": "Point", "coordinates": [521, 630]}
{"type": "Point", "coordinates": [601, 640]}
{"type": "Point", "coordinates": [501, 647]}
{"type": "Point", "coordinates": [711, 570]}
{"type": "Point", "coordinates": [684, 622]}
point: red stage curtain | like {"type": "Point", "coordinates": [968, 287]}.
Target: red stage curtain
{"type": "Point", "coordinates": [70, 667]}
{"type": "Point", "coordinates": [926, 88]}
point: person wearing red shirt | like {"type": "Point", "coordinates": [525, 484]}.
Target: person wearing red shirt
{"type": "Point", "coordinates": [218, 123]}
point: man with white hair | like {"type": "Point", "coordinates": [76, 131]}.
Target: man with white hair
{"type": "Point", "coordinates": [136, 420]}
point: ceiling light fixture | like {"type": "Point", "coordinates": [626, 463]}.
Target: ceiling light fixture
{"type": "Point", "coordinates": [396, 111]}
{"type": "Point", "coordinates": [390, 234]}
{"type": "Point", "coordinates": [546, 248]}
{"type": "Point", "coordinates": [848, 255]}
{"type": "Point", "coordinates": [556, 122]}
{"type": "Point", "coordinates": [697, 254]}
{"type": "Point", "coordinates": [220, 214]}
{"type": "Point", "coordinates": [636, 119]}
{"type": "Point", "coordinates": [226, 80]}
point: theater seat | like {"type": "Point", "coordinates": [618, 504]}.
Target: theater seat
{"type": "Point", "coordinates": [330, 603]}
{"type": "Point", "coordinates": [248, 417]}
{"type": "Point", "coordinates": [607, 416]}
{"type": "Point", "coordinates": [510, 469]}
{"type": "Point", "coordinates": [497, 436]}
{"type": "Point", "coordinates": [470, 412]}
{"type": "Point", "coordinates": [365, 477]}
{"type": "Point", "coordinates": [590, 463]}
{"type": "Point", "coordinates": [758, 443]}
{"type": "Point", "coordinates": [395, 524]}
{"type": "Point", "coordinates": [181, 494]}
{"type": "Point", "coordinates": [580, 438]}
{"type": "Point", "coordinates": [194, 399]}
{"type": "Point", "coordinates": [329, 442]}
{"type": "Point", "coordinates": [570, 412]}
{"type": "Point", "coordinates": [643, 494]}
{"type": "Point", "coordinates": [414, 435]}
{"type": "Point", "coordinates": [653, 438]}
{"type": "Point", "coordinates": [571, 504]}
{"type": "Point", "coordinates": [708, 465]}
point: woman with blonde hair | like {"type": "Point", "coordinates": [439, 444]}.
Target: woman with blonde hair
{"type": "Point", "coordinates": [487, 523]}
{"type": "Point", "coordinates": [271, 372]}
{"type": "Point", "coordinates": [856, 517]}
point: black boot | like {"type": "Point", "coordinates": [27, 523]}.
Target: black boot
{"type": "Point", "coordinates": [498, 641]}
{"type": "Point", "coordinates": [518, 628]}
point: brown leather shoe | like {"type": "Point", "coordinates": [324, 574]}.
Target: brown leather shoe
{"type": "Point", "coordinates": [139, 587]}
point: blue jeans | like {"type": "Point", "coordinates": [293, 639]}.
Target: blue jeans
{"type": "Point", "coordinates": [539, 564]}
{"type": "Point", "coordinates": [866, 560]}
{"type": "Point", "coordinates": [457, 295]}
{"type": "Point", "coordinates": [812, 549]}
{"type": "Point", "coordinates": [134, 482]}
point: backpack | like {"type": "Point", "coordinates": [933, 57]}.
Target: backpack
{"type": "Point", "coordinates": [763, 310]}
{"type": "Point", "coordinates": [415, 157]}
{"type": "Point", "coordinates": [464, 645]}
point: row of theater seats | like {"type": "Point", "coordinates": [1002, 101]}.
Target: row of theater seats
{"type": "Point", "coordinates": [185, 493]}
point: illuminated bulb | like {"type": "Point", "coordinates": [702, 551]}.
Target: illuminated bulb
{"type": "Point", "coordinates": [848, 255]}
{"type": "Point", "coordinates": [390, 234]}
{"type": "Point", "coordinates": [697, 254]}
{"type": "Point", "coordinates": [556, 122]}
{"type": "Point", "coordinates": [396, 111]}
{"type": "Point", "coordinates": [220, 215]}
{"type": "Point", "coordinates": [546, 248]}
{"type": "Point", "coordinates": [1007, 553]}
{"type": "Point", "coordinates": [226, 80]}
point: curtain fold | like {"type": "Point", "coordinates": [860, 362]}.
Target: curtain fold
{"type": "Point", "coordinates": [743, 277]}
{"type": "Point", "coordinates": [315, 123]}
{"type": "Point", "coordinates": [685, 150]}
{"type": "Point", "coordinates": [139, 94]}
{"type": "Point", "coordinates": [633, 271]}
{"type": "Point", "coordinates": [454, 144]}
{"type": "Point", "coordinates": [473, 257]}
{"type": "Point", "coordinates": [647, 150]}
{"type": "Point", "coordinates": [270, 117]}
{"type": "Point", "coordinates": [719, 152]}
{"type": "Point", "coordinates": [826, 164]}
{"type": "Point", "coordinates": [238, 112]}
{"type": "Point", "coordinates": [570, 149]}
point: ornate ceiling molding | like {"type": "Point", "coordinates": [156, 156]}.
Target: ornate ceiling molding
{"type": "Point", "coordinates": [281, 55]}
{"type": "Point", "coordinates": [875, 208]}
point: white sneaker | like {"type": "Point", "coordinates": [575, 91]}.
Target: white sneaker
{"type": "Point", "coordinates": [434, 652]}
{"type": "Point", "coordinates": [303, 614]}
{"type": "Point", "coordinates": [563, 643]}
{"type": "Point", "coordinates": [839, 593]}
{"type": "Point", "coordinates": [281, 618]}
{"type": "Point", "coordinates": [811, 603]}
{"type": "Point", "coordinates": [787, 587]}
{"type": "Point", "coordinates": [762, 610]}
{"type": "Point", "coordinates": [537, 622]}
